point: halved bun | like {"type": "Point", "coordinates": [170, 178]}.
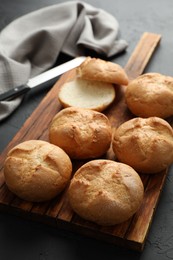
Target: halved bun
{"type": "Point", "coordinates": [101, 70]}
{"type": "Point", "coordinates": [87, 94]}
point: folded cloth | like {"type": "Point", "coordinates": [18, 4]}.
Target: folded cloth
{"type": "Point", "coordinates": [32, 43]}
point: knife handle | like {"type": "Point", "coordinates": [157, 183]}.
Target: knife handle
{"type": "Point", "coordinates": [15, 92]}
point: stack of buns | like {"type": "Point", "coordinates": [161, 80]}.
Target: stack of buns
{"type": "Point", "coordinates": [103, 191]}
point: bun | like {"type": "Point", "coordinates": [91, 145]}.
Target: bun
{"type": "Point", "coordinates": [37, 170]}
{"type": "Point", "coordinates": [146, 144]}
{"type": "Point", "coordinates": [81, 133]}
{"type": "Point", "coordinates": [150, 94]}
{"type": "Point", "coordinates": [105, 192]}
{"type": "Point", "coordinates": [89, 94]}
{"type": "Point", "coordinates": [101, 70]}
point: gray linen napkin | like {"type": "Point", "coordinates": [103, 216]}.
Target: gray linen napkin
{"type": "Point", "coordinates": [32, 43]}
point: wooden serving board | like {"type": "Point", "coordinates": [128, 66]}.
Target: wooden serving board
{"type": "Point", "coordinates": [130, 234]}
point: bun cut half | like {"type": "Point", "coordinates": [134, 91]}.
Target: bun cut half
{"type": "Point", "coordinates": [88, 94]}
{"type": "Point", "coordinates": [100, 70]}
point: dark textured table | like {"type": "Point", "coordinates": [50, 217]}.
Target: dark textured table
{"type": "Point", "coordinates": [22, 239]}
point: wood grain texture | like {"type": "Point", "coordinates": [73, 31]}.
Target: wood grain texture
{"type": "Point", "coordinates": [132, 233]}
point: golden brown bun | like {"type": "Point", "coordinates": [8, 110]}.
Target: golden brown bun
{"type": "Point", "coordinates": [81, 133]}
{"type": "Point", "coordinates": [101, 70]}
{"type": "Point", "coordinates": [89, 94]}
{"type": "Point", "coordinates": [150, 95]}
{"type": "Point", "coordinates": [105, 192]}
{"type": "Point", "coordinates": [146, 144]}
{"type": "Point", "coordinates": [37, 170]}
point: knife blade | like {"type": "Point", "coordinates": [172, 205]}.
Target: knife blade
{"type": "Point", "coordinates": [42, 78]}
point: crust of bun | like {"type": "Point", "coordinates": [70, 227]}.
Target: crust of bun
{"type": "Point", "coordinates": [105, 192]}
{"type": "Point", "coordinates": [150, 94]}
{"type": "Point", "coordinates": [36, 170]}
{"type": "Point", "coordinates": [146, 144]}
{"type": "Point", "coordinates": [81, 133]}
{"type": "Point", "coordinates": [101, 70]}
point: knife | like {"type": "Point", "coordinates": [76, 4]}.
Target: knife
{"type": "Point", "coordinates": [42, 78]}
